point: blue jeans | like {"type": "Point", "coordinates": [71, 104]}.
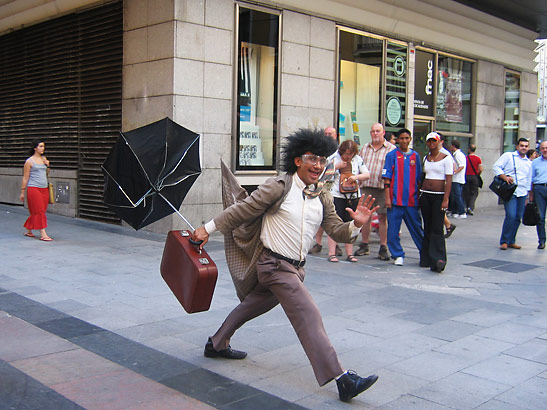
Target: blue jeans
{"type": "Point", "coordinates": [413, 220]}
{"type": "Point", "coordinates": [458, 207]}
{"type": "Point", "coordinates": [514, 209]}
{"type": "Point", "coordinates": [540, 198]}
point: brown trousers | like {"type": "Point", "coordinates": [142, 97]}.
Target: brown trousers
{"type": "Point", "coordinates": [281, 282]}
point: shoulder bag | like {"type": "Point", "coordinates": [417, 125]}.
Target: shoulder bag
{"type": "Point", "coordinates": [503, 189]}
{"type": "Point", "coordinates": [479, 179]}
{"type": "Point", "coordinates": [50, 188]}
{"type": "Point", "coordinates": [531, 215]}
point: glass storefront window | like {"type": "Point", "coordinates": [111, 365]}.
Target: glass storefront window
{"type": "Point", "coordinates": [361, 62]}
{"type": "Point", "coordinates": [257, 74]}
{"type": "Point", "coordinates": [511, 117]}
{"type": "Point", "coordinates": [454, 95]}
{"type": "Point", "coordinates": [396, 64]}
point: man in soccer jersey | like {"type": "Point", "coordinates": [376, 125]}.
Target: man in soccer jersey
{"type": "Point", "coordinates": [401, 174]}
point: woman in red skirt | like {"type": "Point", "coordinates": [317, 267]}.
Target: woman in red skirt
{"type": "Point", "coordinates": [35, 183]}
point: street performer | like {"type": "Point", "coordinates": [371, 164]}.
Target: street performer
{"type": "Point", "coordinates": [291, 207]}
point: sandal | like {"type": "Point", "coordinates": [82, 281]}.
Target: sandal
{"type": "Point", "coordinates": [29, 234]}
{"type": "Point", "coordinates": [46, 239]}
{"type": "Point", "coordinates": [351, 258]}
{"type": "Point", "coordinates": [333, 258]}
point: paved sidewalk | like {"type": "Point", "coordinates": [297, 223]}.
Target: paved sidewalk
{"type": "Point", "coordinates": [87, 322]}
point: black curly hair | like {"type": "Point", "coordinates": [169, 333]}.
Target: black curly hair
{"type": "Point", "coordinates": [302, 141]}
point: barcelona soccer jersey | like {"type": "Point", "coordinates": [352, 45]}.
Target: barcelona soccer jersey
{"type": "Point", "coordinates": [404, 170]}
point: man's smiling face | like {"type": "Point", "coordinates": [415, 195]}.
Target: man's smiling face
{"type": "Point", "coordinates": [310, 167]}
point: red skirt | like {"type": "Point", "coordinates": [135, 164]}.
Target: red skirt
{"type": "Point", "coordinates": [37, 200]}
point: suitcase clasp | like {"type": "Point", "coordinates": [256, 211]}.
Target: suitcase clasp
{"type": "Point", "coordinates": [185, 233]}
{"type": "Point", "coordinates": [203, 261]}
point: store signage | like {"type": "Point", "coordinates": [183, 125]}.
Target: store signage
{"type": "Point", "coordinates": [399, 66]}
{"type": "Point", "coordinates": [424, 83]}
{"type": "Point", "coordinates": [394, 111]}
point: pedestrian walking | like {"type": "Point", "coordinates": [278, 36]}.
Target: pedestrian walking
{"type": "Point", "coordinates": [514, 167]}
{"type": "Point", "coordinates": [539, 190]}
{"type": "Point", "coordinates": [473, 179]}
{"type": "Point", "coordinates": [434, 194]}
{"type": "Point", "coordinates": [36, 186]}
{"type": "Point", "coordinates": [290, 208]}
{"type": "Point", "coordinates": [458, 181]}
{"type": "Point", "coordinates": [402, 172]}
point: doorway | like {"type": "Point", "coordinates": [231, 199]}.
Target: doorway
{"type": "Point", "coordinates": [421, 129]}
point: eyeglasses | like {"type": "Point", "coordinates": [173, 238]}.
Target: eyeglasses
{"type": "Point", "coordinates": [312, 159]}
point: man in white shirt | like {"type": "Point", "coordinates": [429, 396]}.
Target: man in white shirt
{"type": "Point", "coordinates": [514, 167]}
{"type": "Point", "coordinates": [458, 180]}
{"type": "Point", "coordinates": [291, 207]}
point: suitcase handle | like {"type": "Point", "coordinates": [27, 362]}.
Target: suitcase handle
{"type": "Point", "coordinates": [197, 243]}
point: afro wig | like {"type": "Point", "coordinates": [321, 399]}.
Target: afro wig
{"type": "Point", "coordinates": [302, 141]}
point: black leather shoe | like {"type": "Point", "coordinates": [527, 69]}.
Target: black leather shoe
{"type": "Point", "coordinates": [350, 384]}
{"type": "Point", "coordinates": [227, 353]}
{"type": "Point", "coordinates": [541, 245]}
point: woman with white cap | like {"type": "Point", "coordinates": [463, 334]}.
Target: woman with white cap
{"type": "Point", "coordinates": [434, 193]}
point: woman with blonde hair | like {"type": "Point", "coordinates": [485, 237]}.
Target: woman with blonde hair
{"type": "Point", "coordinates": [35, 183]}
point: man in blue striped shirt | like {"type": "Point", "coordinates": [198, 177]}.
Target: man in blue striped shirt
{"type": "Point", "coordinates": [539, 190]}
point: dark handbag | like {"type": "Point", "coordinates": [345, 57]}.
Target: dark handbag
{"type": "Point", "coordinates": [531, 214]}
{"type": "Point", "coordinates": [503, 189]}
{"type": "Point", "coordinates": [347, 187]}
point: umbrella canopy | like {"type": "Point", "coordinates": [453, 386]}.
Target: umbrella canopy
{"type": "Point", "coordinates": [149, 171]}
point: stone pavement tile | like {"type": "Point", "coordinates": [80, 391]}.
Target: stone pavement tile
{"type": "Point", "coordinates": [408, 345]}
{"type": "Point", "coordinates": [29, 290]}
{"type": "Point", "coordinates": [69, 327]}
{"type": "Point", "coordinates": [293, 385]}
{"type": "Point", "coordinates": [21, 340]}
{"type": "Point", "coordinates": [67, 305]}
{"type": "Point", "coordinates": [367, 359]}
{"type": "Point", "coordinates": [484, 317]}
{"type": "Point", "coordinates": [56, 368]}
{"type": "Point", "coordinates": [132, 355]}
{"type": "Point", "coordinates": [532, 393]}
{"type": "Point", "coordinates": [120, 389]}
{"type": "Point", "coordinates": [448, 391]}
{"type": "Point", "coordinates": [449, 330]}
{"type": "Point", "coordinates": [391, 386]}
{"type": "Point", "coordinates": [365, 311]}
{"type": "Point", "coordinates": [150, 331]}
{"type": "Point", "coordinates": [536, 319]}
{"type": "Point", "coordinates": [27, 309]}
{"type": "Point", "coordinates": [475, 347]}
{"type": "Point", "coordinates": [171, 401]}
{"type": "Point", "coordinates": [430, 366]}
{"type": "Point", "coordinates": [347, 340]}
{"type": "Point", "coordinates": [511, 332]}
{"type": "Point", "coordinates": [535, 350]}
{"type": "Point", "coordinates": [506, 369]}
{"type": "Point", "coordinates": [500, 405]}
{"type": "Point", "coordinates": [212, 388]}
{"type": "Point", "coordinates": [386, 326]}
{"type": "Point", "coordinates": [20, 391]}
{"type": "Point", "coordinates": [412, 402]}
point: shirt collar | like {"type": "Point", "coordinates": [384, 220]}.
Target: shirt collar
{"type": "Point", "coordinates": [298, 182]}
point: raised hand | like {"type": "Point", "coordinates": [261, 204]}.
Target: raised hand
{"type": "Point", "coordinates": [363, 212]}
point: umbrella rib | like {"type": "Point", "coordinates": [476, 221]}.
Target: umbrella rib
{"type": "Point", "coordinates": [134, 204]}
{"type": "Point", "coordinates": [180, 180]}
{"type": "Point", "coordinates": [138, 160]}
{"type": "Point", "coordinates": [160, 185]}
{"type": "Point", "coordinates": [177, 211]}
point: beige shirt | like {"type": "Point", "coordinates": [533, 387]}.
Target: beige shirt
{"type": "Point", "coordinates": [374, 160]}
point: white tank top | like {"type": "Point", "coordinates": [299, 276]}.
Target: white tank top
{"type": "Point", "coordinates": [439, 169]}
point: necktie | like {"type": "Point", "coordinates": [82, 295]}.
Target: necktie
{"type": "Point", "coordinates": [312, 191]}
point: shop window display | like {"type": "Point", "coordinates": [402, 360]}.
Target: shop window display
{"type": "Point", "coordinates": [454, 95]}
{"type": "Point", "coordinates": [361, 63]}
{"type": "Point", "coordinates": [511, 117]}
{"type": "Point", "coordinates": [257, 89]}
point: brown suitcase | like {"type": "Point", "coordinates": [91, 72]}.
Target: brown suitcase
{"type": "Point", "coordinates": [190, 275]}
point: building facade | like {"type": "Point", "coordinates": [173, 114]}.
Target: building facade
{"type": "Point", "coordinates": [246, 74]}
